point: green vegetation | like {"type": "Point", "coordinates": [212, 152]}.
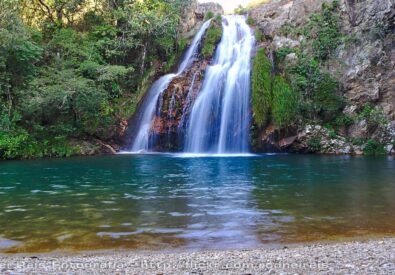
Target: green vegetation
{"type": "Point", "coordinates": [284, 103]}
{"type": "Point", "coordinates": [287, 29]}
{"type": "Point", "coordinates": [320, 100]}
{"type": "Point", "coordinates": [283, 52]}
{"type": "Point", "coordinates": [259, 36]}
{"type": "Point", "coordinates": [314, 144]}
{"type": "Point", "coordinates": [70, 70]}
{"type": "Point", "coordinates": [209, 15]}
{"type": "Point", "coordinates": [318, 90]}
{"type": "Point", "coordinates": [374, 148]}
{"type": "Point", "coordinates": [250, 21]}
{"type": "Point", "coordinates": [241, 10]}
{"type": "Point", "coordinates": [213, 36]}
{"type": "Point", "coordinates": [261, 88]}
{"type": "Point", "coordinates": [343, 121]}
{"type": "Point", "coordinates": [273, 100]}
{"type": "Point", "coordinates": [374, 116]}
{"type": "Point", "coordinates": [324, 32]}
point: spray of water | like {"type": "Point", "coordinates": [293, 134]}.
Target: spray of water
{"type": "Point", "coordinates": [142, 142]}
{"type": "Point", "coordinates": [220, 118]}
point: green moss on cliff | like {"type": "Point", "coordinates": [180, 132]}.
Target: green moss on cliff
{"type": "Point", "coordinates": [261, 88]}
{"type": "Point", "coordinates": [284, 103]}
{"type": "Point", "coordinates": [213, 36]}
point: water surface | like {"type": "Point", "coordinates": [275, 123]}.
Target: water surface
{"type": "Point", "coordinates": [159, 201]}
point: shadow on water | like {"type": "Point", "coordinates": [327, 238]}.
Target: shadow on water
{"type": "Point", "coordinates": [173, 201]}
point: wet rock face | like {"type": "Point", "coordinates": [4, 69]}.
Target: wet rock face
{"type": "Point", "coordinates": [175, 106]}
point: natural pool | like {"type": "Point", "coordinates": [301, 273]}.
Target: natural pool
{"type": "Point", "coordinates": [165, 201]}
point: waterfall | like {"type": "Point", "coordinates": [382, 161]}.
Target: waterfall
{"type": "Point", "coordinates": [142, 139]}
{"type": "Point", "coordinates": [220, 117]}
{"type": "Point", "coordinates": [215, 114]}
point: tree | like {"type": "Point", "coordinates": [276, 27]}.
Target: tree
{"type": "Point", "coordinates": [57, 12]}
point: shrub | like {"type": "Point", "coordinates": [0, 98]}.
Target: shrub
{"type": "Point", "coordinates": [357, 140]}
{"type": "Point", "coordinates": [261, 88]}
{"type": "Point", "coordinates": [284, 103]}
{"type": "Point", "coordinates": [182, 44]}
{"type": "Point", "coordinates": [374, 117]}
{"type": "Point", "coordinates": [283, 52]}
{"type": "Point", "coordinates": [250, 21]}
{"type": "Point", "coordinates": [328, 103]}
{"type": "Point", "coordinates": [240, 10]}
{"type": "Point", "coordinates": [332, 134]}
{"type": "Point", "coordinates": [209, 15]}
{"type": "Point", "coordinates": [374, 148]}
{"type": "Point", "coordinates": [314, 144]}
{"type": "Point", "coordinates": [213, 36]}
{"type": "Point", "coordinates": [323, 29]}
{"type": "Point", "coordinates": [343, 121]}
{"type": "Point", "coordinates": [287, 29]}
{"type": "Point", "coordinates": [259, 37]}
{"type": "Point", "coordinates": [11, 144]}
{"type": "Point", "coordinates": [318, 90]}
{"type": "Point", "coordinates": [366, 111]}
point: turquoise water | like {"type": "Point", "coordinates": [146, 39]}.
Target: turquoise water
{"type": "Point", "coordinates": [161, 202]}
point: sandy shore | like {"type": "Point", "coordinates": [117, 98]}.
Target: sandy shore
{"type": "Point", "coordinates": [360, 257]}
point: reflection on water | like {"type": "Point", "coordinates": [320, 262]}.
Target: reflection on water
{"type": "Point", "coordinates": [177, 201]}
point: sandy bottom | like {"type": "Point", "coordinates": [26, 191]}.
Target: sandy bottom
{"type": "Point", "coordinates": [357, 257]}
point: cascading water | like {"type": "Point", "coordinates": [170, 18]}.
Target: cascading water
{"type": "Point", "coordinates": [220, 117]}
{"type": "Point", "coordinates": [142, 139]}
{"type": "Point", "coordinates": [200, 115]}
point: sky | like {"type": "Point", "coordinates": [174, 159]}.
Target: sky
{"type": "Point", "coordinates": [229, 5]}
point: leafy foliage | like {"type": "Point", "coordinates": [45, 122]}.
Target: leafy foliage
{"type": "Point", "coordinates": [318, 89]}
{"type": "Point", "coordinates": [323, 29]}
{"type": "Point", "coordinates": [283, 52]}
{"type": "Point", "coordinates": [68, 67]}
{"type": "Point", "coordinates": [314, 144]}
{"type": "Point", "coordinates": [374, 148]}
{"type": "Point", "coordinates": [343, 121]}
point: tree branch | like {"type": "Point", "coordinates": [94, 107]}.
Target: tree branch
{"type": "Point", "coordinates": [50, 16]}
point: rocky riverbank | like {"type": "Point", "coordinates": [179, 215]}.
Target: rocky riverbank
{"type": "Point", "coordinates": [361, 257]}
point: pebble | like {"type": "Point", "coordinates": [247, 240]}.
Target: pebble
{"type": "Point", "coordinates": [333, 258]}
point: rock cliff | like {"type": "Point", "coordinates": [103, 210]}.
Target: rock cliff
{"type": "Point", "coordinates": [363, 64]}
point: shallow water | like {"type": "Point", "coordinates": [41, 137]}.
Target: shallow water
{"type": "Point", "coordinates": [185, 201]}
